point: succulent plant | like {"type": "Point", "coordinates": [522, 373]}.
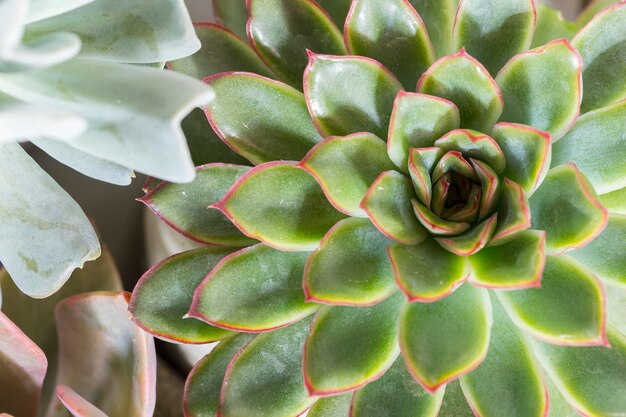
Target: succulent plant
{"type": "Point", "coordinates": [76, 350]}
{"type": "Point", "coordinates": [66, 85]}
{"type": "Point", "coordinates": [453, 251]}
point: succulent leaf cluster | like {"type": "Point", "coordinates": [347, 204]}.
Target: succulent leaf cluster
{"type": "Point", "coordinates": [430, 221]}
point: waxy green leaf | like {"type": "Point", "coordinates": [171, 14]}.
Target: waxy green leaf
{"type": "Point", "coordinates": [513, 214]}
{"type": "Point", "coordinates": [471, 241]}
{"type": "Point", "coordinates": [282, 31]}
{"type": "Point", "coordinates": [454, 403]}
{"type": "Point", "coordinates": [568, 308]}
{"type": "Point", "coordinates": [232, 14]}
{"type": "Point", "coordinates": [392, 33]}
{"type": "Point", "coordinates": [185, 207]}
{"type": "Point", "coordinates": [345, 167]}
{"type": "Point", "coordinates": [349, 347]}
{"type": "Point", "coordinates": [262, 119]}
{"type": "Point", "coordinates": [439, 19]}
{"type": "Point", "coordinates": [163, 295]}
{"type": "Point", "coordinates": [421, 163]}
{"type": "Point", "coordinates": [434, 224]}
{"type": "Point", "coordinates": [235, 294]}
{"type": "Point", "coordinates": [551, 25]}
{"type": "Point", "coordinates": [602, 45]}
{"type": "Point", "coordinates": [527, 83]}
{"type": "Point", "coordinates": [265, 379]}
{"type": "Point", "coordinates": [443, 340]}
{"type": "Point", "coordinates": [472, 144]}
{"type": "Point", "coordinates": [567, 208]}
{"type": "Point", "coordinates": [489, 187]}
{"type": "Point", "coordinates": [615, 201]}
{"type": "Point", "coordinates": [350, 267]}
{"type": "Point", "coordinates": [291, 213]}
{"type": "Point", "coordinates": [335, 406]}
{"type": "Point", "coordinates": [349, 94]}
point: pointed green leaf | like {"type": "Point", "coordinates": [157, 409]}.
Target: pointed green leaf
{"type": "Point", "coordinates": [615, 201]}
{"type": "Point", "coordinates": [527, 152]}
{"type": "Point", "coordinates": [291, 213]}
{"type": "Point", "coordinates": [567, 208]}
{"type": "Point", "coordinates": [348, 347]}
{"type": "Point", "coordinates": [471, 241]}
{"type": "Point", "coordinates": [437, 117]}
{"type": "Point", "coordinates": [335, 406]}
{"type": "Point", "coordinates": [590, 378]}
{"type": "Point", "coordinates": [551, 25]}
{"type": "Point", "coordinates": [597, 145]}
{"type": "Point", "coordinates": [388, 205]}
{"type": "Point", "coordinates": [392, 33]}
{"type": "Point", "coordinates": [282, 31]}
{"type": "Point", "coordinates": [527, 83]}
{"type": "Point", "coordinates": [454, 403]}
{"type": "Point", "coordinates": [513, 214]}
{"type": "Point", "coordinates": [336, 9]}
{"type": "Point", "coordinates": [475, 145]}
{"type": "Point", "coordinates": [204, 383]}
{"type": "Point", "coordinates": [233, 15]}
{"type": "Point", "coordinates": [434, 224]}
{"type": "Point", "coordinates": [568, 308]}
{"type": "Point", "coordinates": [602, 45]}
{"type": "Point", "coordinates": [349, 95]}
{"type": "Point", "coordinates": [395, 394]}
{"type": "Point", "coordinates": [443, 340]}
{"type": "Point", "coordinates": [508, 382]}
{"type": "Point", "coordinates": [261, 119]}
{"type": "Point", "coordinates": [235, 294]}
{"type": "Point", "coordinates": [350, 267]}
{"type": "Point", "coordinates": [439, 20]}
{"type": "Point", "coordinates": [465, 82]}
{"type": "Point", "coordinates": [345, 167]}
{"type": "Point", "coordinates": [490, 189]}
{"type": "Point", "coordinates": [163, 295]}
{"type": "Point", "coordinates": [265, 378]}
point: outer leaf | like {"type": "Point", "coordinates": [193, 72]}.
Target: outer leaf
{"type": "Point", "coordinates": [508, 382]}
{"type": "Point", "coordinates": [395, 394]}
{"type": "Point", "coordinates": [261, 119]}
{"type": "Point", "coordinates": [567, 208]}
{"type": "Point", "coordinates": [615, 201]}
{"type": "Point", "coordinates": [442, 340]}
{"type": "Point", "coordinates": [568, 309]}
{"type": "Point", "coordinates": [232, 14]}
{"type": "Point", "coordinates": [454, 403]}
{"type": "Point", "coordinates": [345, 167]}
{"type": "Point", "coordinates": [265, 378]}
{"type": "Point", "coordinates": [437, 117]}
{"type": "Point", "coordinates": [204, 383]}
{"type": "Point", "coordinates": [527, 83]}
{"type": "Point", "coordinates": [348, 347]}
{"type": "Point", "coordinates": [599, 156]}
{"type": "Point", "coordinates": [77, 405]}
{"type": "Point", "coordinates": [282, 31]}
{"type": "Point", "coordinates": [185, 207]}
{"type": "Point", "coordinates": [335, 406]}
{"type": "Point", "coordinates": [40, 246]}
{"type": "Point", "coordinates": [235, 294]}
{"type": "Point", "coordinates": [588, 377]}
{"type": "Point", "coordinates": [551, 25]}
{"type": "Point", "coordinates": [43, 9]}
{"type": "Point", "coordinates": [439, 19]}
{"type": "Point", "coordinates": [350, 267]}
{"type": "Point", "coordinates": [337, 106]}
{"type": "Point", "coordinates": [291, 213]}
{"type": "Point", "coordinates": [494, 31]}
{"type": "Point", "coordinates": [602, 45]}
{"type": "Point", "coordinates": [391, 33]}
{"type": "Point", "coordinates": [465, 82]}
{"type": "Point", "coordinates": [592, 8]}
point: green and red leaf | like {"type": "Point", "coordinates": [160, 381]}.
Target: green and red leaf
{"type": "Point", "coordinates": [474, 145]}
{"type": "Point", "coordinates": [434, 224]}
{"type": "Point", "coordinates": [471, 241]}
{"type": "Point", "coordinates": [513, 214]}
{"type": "Point", "coordinates": [439, 19]}
{"type": "Point", "coordinates": [421, 163]}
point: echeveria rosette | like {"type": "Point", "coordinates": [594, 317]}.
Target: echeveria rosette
{"type": "Point", "coordinates": [443, 225]}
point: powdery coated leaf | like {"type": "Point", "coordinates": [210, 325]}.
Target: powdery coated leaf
{"type": "Point", "coordinates": [443, 340]}
{"type": "Point", "coordinates": [350, 94]}
{"type": "Point", "coordinates": [282, 31]}
{"type": "Point", "coordinates": [262, 119]}
{"type": "Point", "coordinates": [528, 83]}
{"type": "Point", "coordinates": [551, 25]}
{"type": "Point", "coordinates": [494, 31]}
{"type": "Point", "coordinates": [104, 356]}
{"type": "Point", "coordinates": [392, 33]}
{"type": "Point", "coordinates": [615, 201]}
{"type": "Point", "coordinates": [439, 20]}
{"type": "Point", "coordinates": [140, 32]}
{"type": "Point", "coordinates": [131, 122]}
{"type": "Point", "coordinates": [232, 14]}
{"type": "Point", "coordinates": [43, 9]}
{"type": "Point", "coordinates": [591, 10]}
{"type": "Point", "coordinates": [602, 45]}
{"type": "Point", "coordinates": [616, 308]}
{"type": "Point", "coordinates": [335, 406]}
{"type": "Point", "coordinates": [349, 347]}
{"type": "Point", "coordinates": [568, 308]}
{"type": "Point", "coordinates": [45, 234]}
{"type": "Point", "coordinates": [22, 370]}
{"type": "Point", "coordinates": [77, 405]}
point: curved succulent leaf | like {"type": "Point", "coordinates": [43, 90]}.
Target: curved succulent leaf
{"type": "Point", "coordinates": [454, 403]}
{"type": "Point", "coordinates": [282, 31]}
{"type": "Point", "coordinates": [551, 25]}
{"type": "Point", "coordinates": [77, 405]}
{"type": "Point", "coordinates": [262, 119]}
{"type": "Point", "coordinates": [471, 241]}
{"type": "Point", "coordinates": [513, 214]}
{"type": "Point", "coordinates": [422, 161]}
{"type": "Point", "coordinates": [493, 31]}
{"type": "Point", "coordinates": [472, 144]}
{"type": "Point", "coordinates": [567, 208]}
{"type": "Point", "coordinates": [592, 8]}
{"type": "Point", "coordinates": [350, 267]}
{"type": "Point", "coordinates": [568, 309]}
{"type": "Point", "coordinates": [335, 406]}
{"type": "Point", "coordinates": [233, 15]}
{"type": "Point", "coordinates": [489, 186]}
{"type": "Point", "coordinates": [527, 83]}
{"type": "Point", "coordinates": [291, 213]}
{"type": "Point", "coordinates": [443, 340]}
{"type": "Point", "coordinates": [392, 33]}
{"type": "Point", "coordinates": [340, 109]}
{"type": "Point", "coordinates": [336, 9]}
{"type": "Point", "coordinates": [615, 201]}
{"type": "Point", "coordinates": [43, 9]}
{"type": "Point", "coordinates": [465, 82]}
{"type": "Point", "coordinates": [348, 347]}
{"type": "Point", "coordinates": [434, 224]}
{"type": "Point", "coordinates": [439, 19]}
